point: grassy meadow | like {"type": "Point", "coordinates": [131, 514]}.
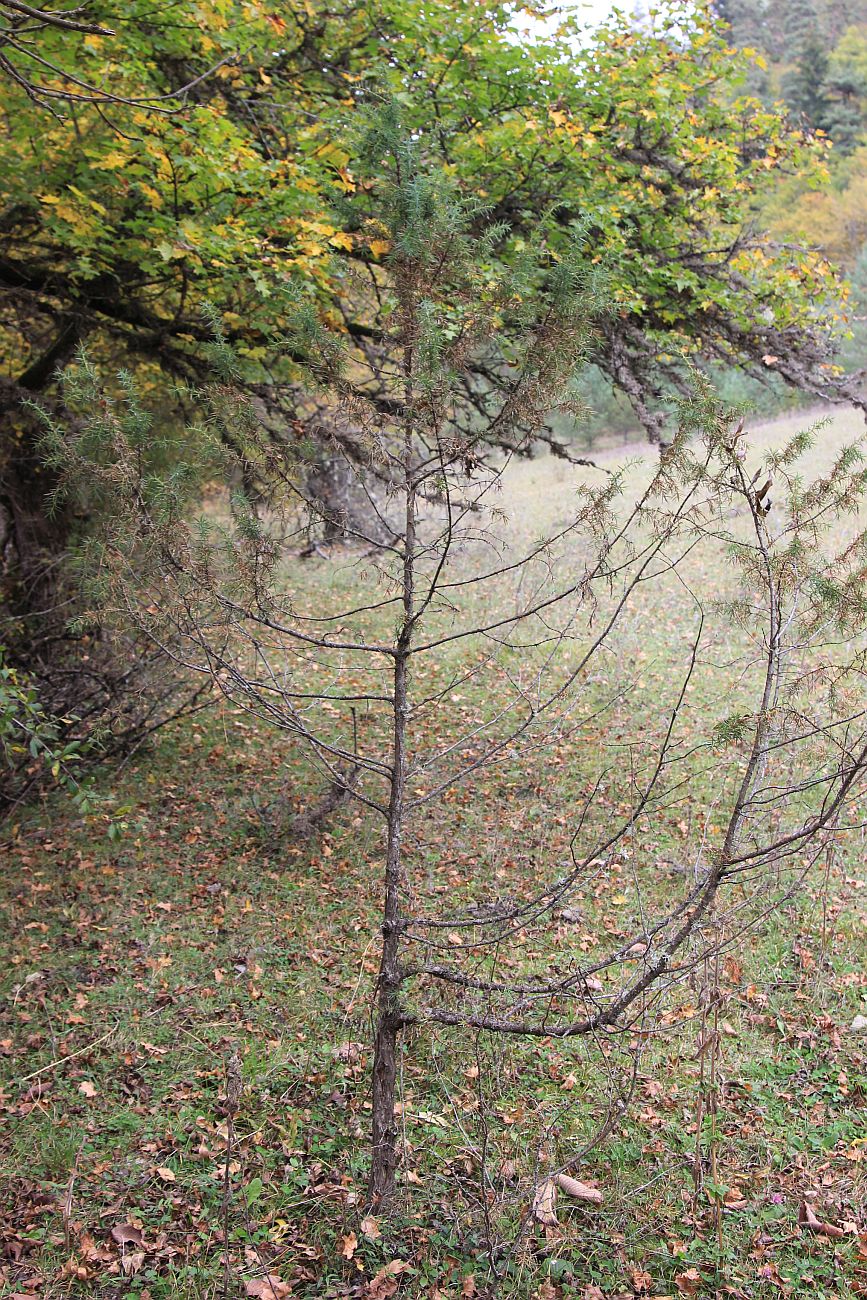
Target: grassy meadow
{"type": "Point", "coordinates": [132, 967]}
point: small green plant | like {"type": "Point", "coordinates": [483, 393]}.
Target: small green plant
{"type": "Point", "coordinates": [26, 729]}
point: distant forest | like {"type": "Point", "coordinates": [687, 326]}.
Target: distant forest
{"type": "Point", "coordinates": [811, 58]}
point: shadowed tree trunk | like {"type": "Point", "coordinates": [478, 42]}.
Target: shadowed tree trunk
{"type": "Point", "coordinates": [36, 539]}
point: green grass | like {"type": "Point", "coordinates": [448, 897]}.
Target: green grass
{"type": "Point", "coordinates": [134, 967]}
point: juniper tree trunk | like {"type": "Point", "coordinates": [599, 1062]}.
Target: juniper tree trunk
{"type": "Point", "coordinates": [34, 537]}
{"type": "Point", "coordinates": [389, 1012]}
{"type": "Point", "coordinates": [389, 1019]}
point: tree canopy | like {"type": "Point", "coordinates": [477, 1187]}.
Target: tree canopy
{"type": "Point", "coordinates": [168, 173]}
{"type": "Point", "coordinates": [121, 221]}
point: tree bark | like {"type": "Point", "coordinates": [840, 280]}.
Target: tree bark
{"type": "Point", "coordinates": [389, 1013]}
{"type": "Point", "coordinates": [389, 1018]}
{"type": "Point", "coordinates": [35, 537]}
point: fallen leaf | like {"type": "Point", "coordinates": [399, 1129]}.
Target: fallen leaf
{"type": "Point", "coordinates": [73, 1269]}
{"type": "Point", "coordinates": [688, 1282]}
{"type": "Point", "coordinates": [545, 1202]}
{"type": "Point", "coordinates": [267, 1288]}
{"type": "Point", "coordinates": [468, 1286]}
{"type": "Point", "coordinates": [592, 1292]}
{"type": "Point", "coordinates": [86, 1088]}
{"type": "Point", "coordinates": [132, 1263]}
{"type": "Point", "coordinates": [95, 1254]}
{"type": "Point", "coordinates": [807, 1218]}
{"type": "Point", "coordinates": [641, 1282]}
{"type": "Point", "coordinates": [167, 1175]}
{"type": "Point", "coordinates": [858, 1025]}
{"type": "Point", "coordinates": [350, 1245]}
{"type": "Point", "coordinates": [384, 1284]}
{"type": "Point", "coordinates": [580, 1191]}
{"type": "Point", "coordinates": [370, 1228]}
{"type": "Point", "coordinates": [125, 1232]}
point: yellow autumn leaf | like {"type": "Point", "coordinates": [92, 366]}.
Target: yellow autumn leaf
{"type": "Point", "coordinates": [155, 197]}
{"type": "Point", "coordinates": [112, 161]}
{"type": "Point", "coordinates": [379, 247]}
{"type": "Point", "coordinates": [342, 240]}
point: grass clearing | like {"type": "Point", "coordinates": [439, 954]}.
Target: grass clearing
{"type": "Point", "coordinates": [134, 966]}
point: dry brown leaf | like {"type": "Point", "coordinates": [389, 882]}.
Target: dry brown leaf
{"type": "Point", "coordinates": [87, 1089]}
{"type": "Point", "coordinates": [592, 1292]}
{"type": "Point", "coordinates": [73, 1268]}
{"type": "Point", "coordinates": [545, 1203]}
{"type": "Point", "coordinates": [808, 1218]}
{"type": "Point", "coordinates": [384, 1284]}
{"type": "Point", "coordinates": [580, 1191]}
{"type": "Point", "coordinates": [370, 1227]}
{"type": "Point", "coordinates": [381, 1287]}
{"type": "Point", "coordinates": [641, 1282]}
{"type": "Point", "coordinates": [688, 1282]}
{"type": "Point", "coordinates": [268, 1288]}
{"type": "Point", "coordinates": [125, 1232]}
{"type": "Point", "coordinates": [93, 1253]}
{"type": "Point", "coordinates": [132, 1263]}
{"type": "Point", "coordinates": [166, 1174]}
{"type": "Point", "coordinates": [468, 1286]}
{"type": "Point", "coordinates": [350, 1245]}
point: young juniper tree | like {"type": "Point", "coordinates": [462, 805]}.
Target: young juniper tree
{"type": "Point", "coordinates": [459, 594]}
